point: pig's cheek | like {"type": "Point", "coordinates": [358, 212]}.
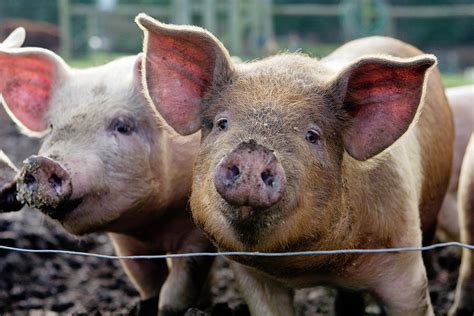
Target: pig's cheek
{"type": "Point", "coordinates": [87, 178]}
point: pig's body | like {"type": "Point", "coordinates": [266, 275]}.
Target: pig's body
{"type": "Point", "coordinates": [464, 301]}
{"type": "Point", "coordinates": [461, 100]}
{"type": "Point", "coordinates": [380, 206]}
{"type": "Point", "coordinates": [108, 163]}
{"type": "Point", "coordinates": [351, 151]}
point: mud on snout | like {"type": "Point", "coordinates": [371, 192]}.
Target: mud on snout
{"type": "Point", "coordinates": [44, 184]}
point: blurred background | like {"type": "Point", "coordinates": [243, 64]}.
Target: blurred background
{"type": "Point", "coordinates": [86, 32]}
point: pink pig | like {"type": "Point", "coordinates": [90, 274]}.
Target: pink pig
{"type": "Point", "coordinates": [108, 163]}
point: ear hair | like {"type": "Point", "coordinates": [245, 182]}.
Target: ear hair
{"type": "Point", "coordinates": [27, 79]}
{"type": "Point", "coordinates": [382, 96]}
{"type": "Point", "coordinates": [181, 64]}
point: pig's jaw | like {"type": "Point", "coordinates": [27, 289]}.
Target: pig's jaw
{"type": "Point", "coordinates": [250, 224]}
{"type": "Point", "coordinates": [60, 213]}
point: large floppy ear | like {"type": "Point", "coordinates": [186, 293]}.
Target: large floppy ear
{"type": "Point", "coordinates": [180, 65]}
{"type": "Point", "coordinates": [381, 96]}
{"type": "Point", "coordinates": [15, 39]}
{"type": "Point", "coordinates": [27, 79]}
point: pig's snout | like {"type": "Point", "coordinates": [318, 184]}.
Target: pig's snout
{"type": "Point", "coordinates": [43, 183]}
{"type": "Point", "coordinates": [250, 176]}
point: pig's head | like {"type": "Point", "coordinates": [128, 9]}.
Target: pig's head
{"type": "Point", "coordinates": [99, 166]}
{"type": "Point", "coordinates": [275, 132]}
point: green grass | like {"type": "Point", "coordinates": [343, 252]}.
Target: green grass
{"type": "Point", "coordinates": [94, 60]}
{"type": "Point", "coordinates": [453, 80]}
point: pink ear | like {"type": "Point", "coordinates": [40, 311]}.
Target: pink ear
{"type": "Point", "coordinates": [381, 96]}
{"type": "Point", "coordinates": [181, 64]}
{"type": "Point", "coordinates": [26, 81]}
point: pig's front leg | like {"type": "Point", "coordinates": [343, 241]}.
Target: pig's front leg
{"type": "Point", "coordinates": [264, 296]}
{"type": "Point", "coordinates": [402, 285]}
{"type": "Point", "coordinates": [187, 277]}
{"type": "Point", "coordinates": [147, 275]}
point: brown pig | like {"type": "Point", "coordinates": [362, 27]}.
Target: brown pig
{"type": "Point", "coordinates": [108, 163]}
{"type": "Point", "coordinates": [461, 100]}
{"type": "Point", "coordinates": [350, 151]}
{"type": "Point", "coordinates": [464, 299]}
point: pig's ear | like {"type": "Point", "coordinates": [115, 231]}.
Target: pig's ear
{"type": "Point", "coordinates": [15, 39]}
{"type": "Point", "coordinates": [27, 77]}
{"type": "Point", "coordinates": [137, 72]}
{"type": "Point", "coordinates": [181, 64]}
{"type": "Point", "coordinates": [381, 96]}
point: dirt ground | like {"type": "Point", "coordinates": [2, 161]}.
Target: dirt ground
{"type": "Point", "coordinates": [39, 284]}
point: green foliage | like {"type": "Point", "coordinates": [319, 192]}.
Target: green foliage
{"type": "Point", "coordinates": [454, 80]}
{"type": "Point", "coordinates": [42, 10]}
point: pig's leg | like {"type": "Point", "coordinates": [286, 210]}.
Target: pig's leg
{"type": "Point", "coordinates": [264, 296]}
{"type": "Point", "coordinates": [464, 299]}
{"type": "Point", "coordinates": [147, 275]}
{"type": "Point", "coordinates": [402, 285]}
{"type": "Point", "coordinates": [448, 223]}
{"type": "Point", "coordinates": [187, 277]}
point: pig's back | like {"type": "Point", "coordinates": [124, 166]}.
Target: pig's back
{"type": "Point", "coordinates": [433, 131]}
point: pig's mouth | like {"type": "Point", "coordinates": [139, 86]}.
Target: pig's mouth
{"type": "Point", "coordinates": [62, 210]}
{"type": "Point", "coordinates": [249, 224]}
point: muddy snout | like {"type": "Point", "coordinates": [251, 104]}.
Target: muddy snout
{"type": "Point", "coordinates": [250, 176]}
{"type": "Point", "coordinates": [43, 183]}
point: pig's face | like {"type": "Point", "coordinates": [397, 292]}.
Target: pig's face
{"type": "Point", "coordinates": [276, 132]}
{"type": "Point", "coordinates": [300, 128]}
{"type": "Point", "coordinates": [100, 132]}
{"type": "Point", "coordinates": [96, 167]}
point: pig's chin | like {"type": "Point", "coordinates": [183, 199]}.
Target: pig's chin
{"type": "Point", "coordinates": [250, 224]}
{"type": "Point", "coordinates": [60, 212]}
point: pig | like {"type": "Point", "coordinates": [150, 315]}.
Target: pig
{"type": "Point", "coordinates": [108, 163]}
{"type": "Point", "coordinates": [350, 151]}
{"type": "Point", "coordinates": [8, 172]}
{"type": "Point", "coordinates": [461, 100]}
{"type": "Point", "coordinates": [464, 299]}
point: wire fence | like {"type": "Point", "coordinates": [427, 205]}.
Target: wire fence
{"type": "Point", "coordinates": [243, 253]}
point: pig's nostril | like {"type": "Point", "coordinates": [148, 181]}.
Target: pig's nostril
{"type": "Point", "coordinates": [267, 177]}
{"type": "Point", "coordinates": [234, 172]}
{"type": "Point", "coordinates": [56, 183]}
{"type": "Point", "coordinates": [29, 181]}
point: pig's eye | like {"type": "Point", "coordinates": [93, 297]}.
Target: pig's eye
{"type": "Point", "coordinates": [122, 126]}
{"type": "Point", "coordinates": [222, 124]}
{"type": "Point", "coordinates": [312, 136]}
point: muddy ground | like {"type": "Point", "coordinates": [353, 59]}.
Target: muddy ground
{"type": "Point", "coordinates": [32, 284]}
